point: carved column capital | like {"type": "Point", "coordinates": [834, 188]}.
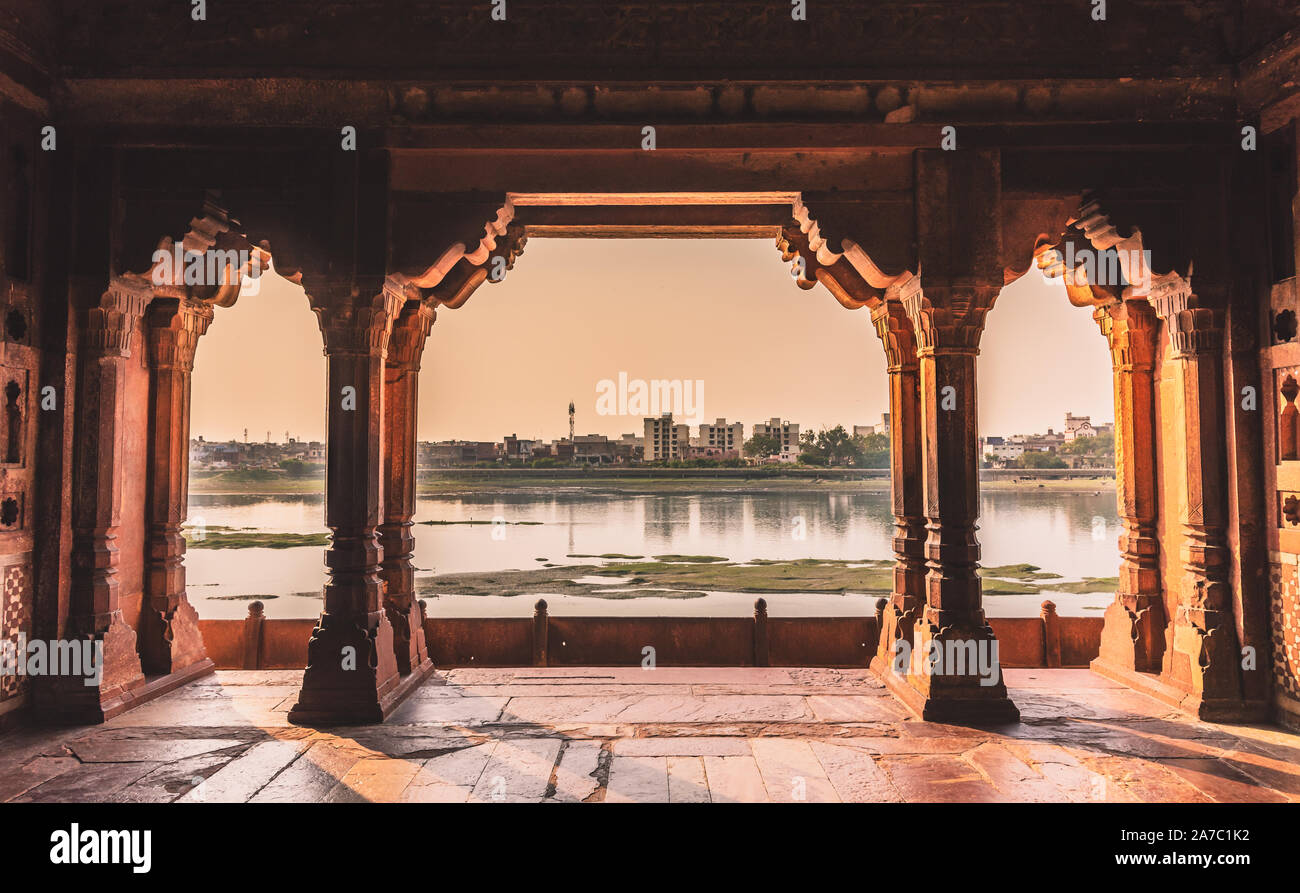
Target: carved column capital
{"type": "Point", "coordinates": [175, 327]}
{"type": "Point", "coordinates": [111, 323]}
{"type": "Point", "coordinates": [410, 332]}
{"type": "Point", "coordinates": [1130, 329]}
{"type": "Point", "coordinates": [948, 318]}
{"type": "Point", "coordinates": [894, 328]}
{"type": "Point", "coordinates": [357, 323]}
{"type": "Point", "coordinates": [1193, 329]}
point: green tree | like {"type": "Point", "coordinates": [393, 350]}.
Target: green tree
{"type": "Point", "coordinates": [296, 468]}
{"type": "Point", "coordinates": [761, 445]}
{"type": "Point", "coordinates": [1039, 459]}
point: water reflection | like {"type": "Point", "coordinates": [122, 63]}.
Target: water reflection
{"type": "Point", "coordinates": [1072, 534]}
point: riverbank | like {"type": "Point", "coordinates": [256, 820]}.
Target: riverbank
{"type": "Point", "coordinates": [452, 482]}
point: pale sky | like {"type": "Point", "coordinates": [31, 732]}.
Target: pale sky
{"type": "Point", "coordinates": [575, 312]}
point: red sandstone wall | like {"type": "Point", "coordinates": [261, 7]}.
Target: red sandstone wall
{"type": "Point", "coordinates": [1280, 359]}
{"type": "Point", "coordinates": [679, 641]}
{"type": "Point", "coordinates": [20, 367]}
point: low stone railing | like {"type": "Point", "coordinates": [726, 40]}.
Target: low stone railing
{"type": "Point", "coordinates": [257, 643]}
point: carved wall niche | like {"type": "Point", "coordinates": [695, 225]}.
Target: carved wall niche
{"type": "Point", "coordinates": [1287, 417]}
{"type": "Point", "coordinates": [1284, 324]}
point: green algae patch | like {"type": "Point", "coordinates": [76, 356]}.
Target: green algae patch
{"type": "Point", "coordinates": [220, 539]}
{"type": "Point", "coordinates": [1019, 572]}
{"type": "Point", "coordinates": [614, 556]}
{"type": "Point", "coordinates": [690, 559]}
{"type": "Point", "coordinates": [667, 579]}
{"type": "Point", "coordinates": [992, 586]}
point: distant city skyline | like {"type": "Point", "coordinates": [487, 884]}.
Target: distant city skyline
{"type": "Point", "coordinates": [720, 312]}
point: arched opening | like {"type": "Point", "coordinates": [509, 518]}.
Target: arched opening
{"type": "Point", "coordinates": [714, 324]}
{"type": "Point", "coordinates": [257, 450]}
{"type": "Point", "coordinates": [1048, 518]}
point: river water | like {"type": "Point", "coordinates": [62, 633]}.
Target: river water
{"type": "Point", "coordinates": [1071, 534]}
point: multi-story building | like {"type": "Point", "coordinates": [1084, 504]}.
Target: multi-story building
{"type": "Point", "coordinates": [629, 448]}
{"type": "Point", "coordinates": [456, 452]}
{"type": "Point", "coordinates": [1000, 448]}
{"type": "Point", "coordinates": [865, 430]}
{"type": "Point", "coordinates": [593, 449]}
{"type": "Point", "coordinates": [515, 448]}
{"type": "Point", "coordinates": [665, 441]}
{"type": "Point", "coordinates": [785, 433]}
{"type": "Point", "coordinates": [1078, 426]}
{"type": "Point", "coordinates": [723, 436]}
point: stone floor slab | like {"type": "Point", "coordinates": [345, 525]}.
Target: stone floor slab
{"type": "Point", "coordinates": [239, 780]}
{"type": "Point", "coordinates": [675, 734]}
{"type": "Point", "coordinates": [519, 771]}
{"type": "Point", "coordinates": [638, 780]}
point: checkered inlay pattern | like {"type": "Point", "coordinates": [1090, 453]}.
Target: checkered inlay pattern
{"type": "Point", "coordinates": [1284, 594]}
{"type": "Point", "coordinates": [15, 618]}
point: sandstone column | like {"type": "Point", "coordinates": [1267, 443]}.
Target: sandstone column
{"type": "Point", "coordinates": [969, 686]}
{"type": "Point", "coordinates": [955, 673]}
{"type": "Point", "coordinates": [1201, 652]}
{"type": "Point", "coordinates": [1133, 637]}
{"type": "Point", "coordinates": [170, 642]}
{"type": "Point", "coordinates": [401, 385]}
{"type": "Point", "coordinates": [907, 601]}
{"type": "Point", "coordinates": [94, 611]}
{"type": "Point", "coordinates": [351, 674]}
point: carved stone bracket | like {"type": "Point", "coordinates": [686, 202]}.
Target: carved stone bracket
{"type": "Point", "coordinates": [112, 322]}
{"type": "Point", "coordinates": [211, 261]}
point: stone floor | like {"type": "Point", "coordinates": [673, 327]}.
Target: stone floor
{"type": "Point", "coordinates": [670, 734]}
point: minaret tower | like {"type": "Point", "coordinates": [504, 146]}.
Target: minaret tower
{"type": "Point", "coordinates": [570, 421]}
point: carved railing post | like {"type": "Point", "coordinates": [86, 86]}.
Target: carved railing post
{"type": "Point", "coordinates": [95, 612]}
{"type": "Point", "coordinates": [1201, 649]}
{"type": "Point", "coordinates": [170, 641]}
{"type": "Point", "coordinates": [401, 384]}
{"type": "Point", "coordinates": [907, 602]}
{"type": "Point", "coordinates": [351, 674]}
{"type": "Point", "coordinates": [1133, 637]}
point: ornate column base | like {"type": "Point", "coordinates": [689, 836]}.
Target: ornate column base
{"type": "Point", "coordinates": [1132, 637]}
{"type": "Point", "coordinates": [409, 646]}
{"type": "Point", "coordinates": [1194, 662]}
{"type": "Point", "coordinates": [897, 624]}
{"type": "Point", "coordinates": [351, 675]}
{"type": "Point", "coordinates": [121, 685]}
{"type": "Point", "coordinates": [954, 697]}
{"type": "Point", "coordinates": [170, 640]}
